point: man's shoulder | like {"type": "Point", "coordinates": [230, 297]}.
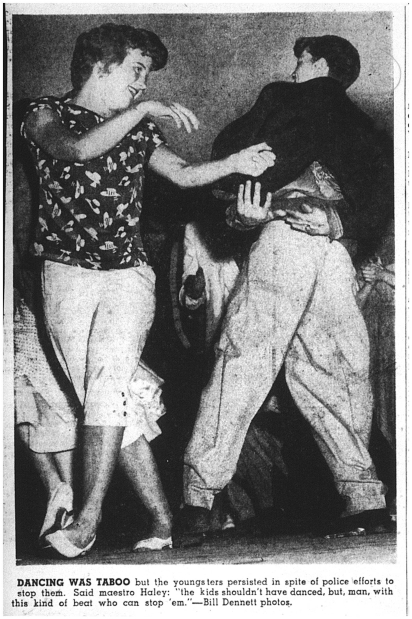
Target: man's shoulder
{"type": "Point", "coordinates": [276, 89]}
{"type": "Point", "coordinates": [318, 89]}
{"type": "Point", "coordinates": [277, 96]}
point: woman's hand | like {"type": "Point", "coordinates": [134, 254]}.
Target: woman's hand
{"type": "Point", "coordinates": [253, 161]}
{"type": "Point", "coordinates": [180, 114]}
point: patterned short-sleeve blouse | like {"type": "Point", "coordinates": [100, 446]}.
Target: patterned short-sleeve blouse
{"type": "Point", "coordinates": [89, 212]}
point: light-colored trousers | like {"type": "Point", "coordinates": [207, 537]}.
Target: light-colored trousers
{"type": "Point", "coordinates": [294, 304]}
{"type": "Point", "coordinates": [98, 323]}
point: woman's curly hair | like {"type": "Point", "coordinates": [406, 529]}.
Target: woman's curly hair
{"type": "Point", "coordinates": [110, 44]}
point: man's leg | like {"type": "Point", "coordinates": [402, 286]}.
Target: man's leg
{"type": "Point", "coordinates": [271, 296]}
{"type": "Point", "coordinates": [327, 370]}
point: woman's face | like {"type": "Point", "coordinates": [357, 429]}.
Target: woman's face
{"type": "Point", "coordinates": [124, 83]}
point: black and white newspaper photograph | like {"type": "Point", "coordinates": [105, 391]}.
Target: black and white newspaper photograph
{"type": "Point", "coordinates": [205, 296]}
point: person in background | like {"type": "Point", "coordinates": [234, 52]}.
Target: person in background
{"type": "Point", "coordinates": [46, 409]}
{"type": "Point", "coordinates": [46, 416]}
{"type": "Point", "coordinates": [207, 279]}
{"type": "Point", "coordinates": [376, 298]}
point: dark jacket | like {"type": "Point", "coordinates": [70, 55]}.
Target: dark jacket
{"type": "Point", "coordinates": [316, 121]}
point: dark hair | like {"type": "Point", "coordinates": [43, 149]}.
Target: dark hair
{"type": "Point", "coordinates": [110, 44]}
{"type": "Point", "coordinates": [342, 58]}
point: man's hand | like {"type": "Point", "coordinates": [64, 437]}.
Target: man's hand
{"type": "Point", "coordinates": [195, 285]}
{"type": "Point", "coordinates": [249, 211]}
{"type": "Point", "coordinates": [180, 114]}
{"type": "Point", "coordinates": [254, 160]}
{"type": "Point", "coordinates": [312, 220]}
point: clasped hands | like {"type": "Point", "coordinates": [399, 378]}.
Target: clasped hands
{"type": "Point", "coordinates": [311, 220]}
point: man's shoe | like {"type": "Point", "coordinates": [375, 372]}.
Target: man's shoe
{"type": "Point", "coordinates": [192, 525]}
{"type": "Point", "coordinates": [368, 522]}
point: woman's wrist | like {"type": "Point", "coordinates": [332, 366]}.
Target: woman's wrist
{"type": "Point", "coordinates": [231, 164]}
{"type": "Point", "coordinates": [138, 112]}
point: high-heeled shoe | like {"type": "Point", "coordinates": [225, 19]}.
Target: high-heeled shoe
{"type": "Point", "coordinates": [59, 511]}
{"type": "Point", "coordinates": [153, 543]}
{"type": "Point", "coordinates": [59, 542]}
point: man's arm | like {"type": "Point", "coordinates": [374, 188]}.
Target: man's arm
{"type": "Point", "coordinates": [45, 128]}
{"type": "Point", "coordinates": [252, 161]}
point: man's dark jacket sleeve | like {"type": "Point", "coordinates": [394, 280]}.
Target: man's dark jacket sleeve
{"type": "Point", "coordinates": [316, 121]}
